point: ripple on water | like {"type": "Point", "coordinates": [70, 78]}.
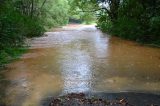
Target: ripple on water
{"type": "Point", "coordinates": [82, 59]}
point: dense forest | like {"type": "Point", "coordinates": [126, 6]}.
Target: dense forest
{"type": "Point", "coordinates": [137, 20]}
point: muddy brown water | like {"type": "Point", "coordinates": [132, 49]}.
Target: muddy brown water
{"type": "Point", "coordinates": [80, 58]}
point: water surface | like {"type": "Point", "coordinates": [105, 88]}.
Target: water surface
{"type": "Point", "coordinates": [80, 58]}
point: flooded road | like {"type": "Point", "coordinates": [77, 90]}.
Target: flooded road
{"type": "Point", "coordinates": [80, 58]}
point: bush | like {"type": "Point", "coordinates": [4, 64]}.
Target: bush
{"type": "Point", "coordinates": [104, 23]}
{"type": "Point", "coordinates": [14, 28]}
{"type": "Point", "coordinates": [137, 20]}
{"type": "Point", "coordinates": [155, 28]}
{"type": "Point", "coordinates": [33, 27]}
{"type": "Point", "coordinates": [3, 57]}
{"type": "Point", "coordinates": [11, 31]}
{"type": "Point", "coordinates": [127, 28]}
{"type": "Point", "coordinates": [9, 54]}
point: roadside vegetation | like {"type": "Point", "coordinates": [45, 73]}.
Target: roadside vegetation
{"type": "Point", "coordinates": [21, 19]}
{"type": "Point", "coordinates": [137, 20]}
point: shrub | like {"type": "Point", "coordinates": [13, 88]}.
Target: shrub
{"type": "Point", "coordinates": [127, 28]}
{"type": "Point", "coordinates": [104, 23]}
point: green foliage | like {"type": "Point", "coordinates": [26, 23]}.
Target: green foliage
{"type": "Point", "coordinates": [9, 54]}
{"type": "Point", "coordinates": [88, 18]}
{"type": "Point", "coordinates": [55, 13]}
{"type": "Point", "coordinates": [136, 20]}
{"type": "Point", "coordinates": [82, 10]}
{"type": "Point", "coordinates": [20, 19]}
{"type": "Point", "coordinates": [32, 27]}
{"type": "Point", "coordinates": [155, 28]}
{"type": "Point", "coordinates": [155, 23]}
{"type": "Point", "coordinates": [16, 26]}
{"type": "Point", "coordinates": [104, 23]}
{"type": "Point", "coordinates": [10, 23]}
{"type": "Point", "coordinates": [127, 28]}
{"type": "Point", "coordinates": [128, 24]}
{"type": "Point", "coordinates": [3, 57]}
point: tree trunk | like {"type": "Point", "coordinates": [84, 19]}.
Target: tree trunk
{"type": "Point", "coordinates": [32, 8]}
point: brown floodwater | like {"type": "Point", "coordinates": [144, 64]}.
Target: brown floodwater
{"type": "Point", "coordinates": [80, 58]}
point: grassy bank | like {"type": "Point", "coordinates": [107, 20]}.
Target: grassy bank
{"type": "Point", "coordinates": [9, 54]}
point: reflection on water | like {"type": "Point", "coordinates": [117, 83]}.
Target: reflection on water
{"type": "Point", "coordinates": [76, 71]}
{"type": "Point", "coordinates": [81, 59]}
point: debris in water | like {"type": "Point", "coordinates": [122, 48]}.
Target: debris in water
{"type": "Point", "coordinates": [80, 99]}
